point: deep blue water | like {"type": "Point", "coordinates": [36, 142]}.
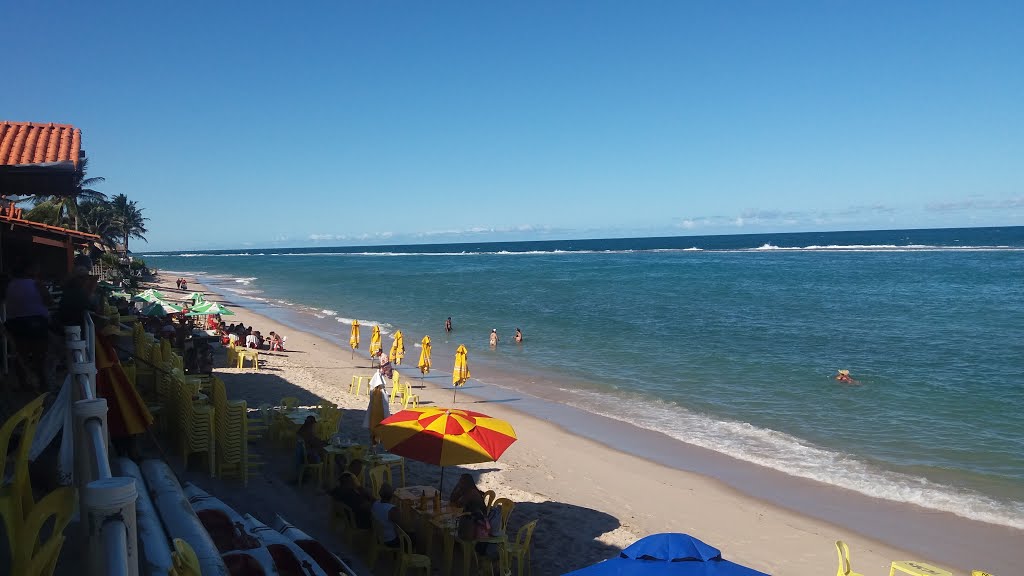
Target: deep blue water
{"type": "Point", "coordinates": [728, 342]}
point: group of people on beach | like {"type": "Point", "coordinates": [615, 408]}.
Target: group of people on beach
{"type": "Point", "coordinates": [181, 283]}
{"type": "Point", "coordinates": [242, 335]}
{"type": "Point", "coordinates": [494, 333]}
{"type": "Point", "coordinates": [474, 522]}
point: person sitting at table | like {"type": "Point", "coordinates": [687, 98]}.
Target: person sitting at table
{"type": "Point", "coordinates": [388, 516]}
{"type": "Point", "coordinates": [352, 495]}
{"type": "Point", "coordinates": [474, 525]}
{"type": "Point", "coordinates": [251, 340]}
{"type": "Point", "coordinates": [465, 491]}
{"type": "Point", "coordinates": [315, 452]}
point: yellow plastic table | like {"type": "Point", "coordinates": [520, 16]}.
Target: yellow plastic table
{"type": "Point", "coordinates": [915, 568]}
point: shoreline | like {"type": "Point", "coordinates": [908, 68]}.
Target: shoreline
{"type": "Point", "coordinates": [791, 506]}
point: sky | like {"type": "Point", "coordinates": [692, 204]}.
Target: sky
{"type": "Point", "coordinates": [339, 123]}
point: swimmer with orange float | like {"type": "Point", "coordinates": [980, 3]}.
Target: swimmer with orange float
{"type": "Point", "coordinates": [844, 377]}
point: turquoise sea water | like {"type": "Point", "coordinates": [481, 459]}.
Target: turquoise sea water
{"type": "Point", "coordinates": [727, 342]}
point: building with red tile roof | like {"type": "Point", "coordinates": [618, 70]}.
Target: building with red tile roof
{"type": "Point", "coordinates": [27, 143]}
{"type": "Point", "coordinates": [39, 159]}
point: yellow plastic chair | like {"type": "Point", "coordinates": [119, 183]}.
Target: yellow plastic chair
{"type": "Point", "coordinates": [356, 385]}
{"type": "Point", "coordinates": [489, 497]}
{"type": "Point", "coordinates": [351, 533]}
{"type": "Point", "coordinates": [316, 468]}
{"type": "Point", "coordinates": [507, 506]}
{"type": "Point", "coordinates": [376, 546]}
{"type": "Point", "coordinates": [844, 560]}
{"type": "Point", "coordinates": [979, 573]}
{"type": "Point", "coordinates": [16, 497]}
{"type": "Point", "coordinates": [378, 475]}
{"type": "Point", "coordinates": [519, 550]}
{"type": "Point", "coordinates": [406, 558]}
{"type": "Point", "coordinates": [185, 562]}
{"type": "Point", "coordinates": [32, 556]}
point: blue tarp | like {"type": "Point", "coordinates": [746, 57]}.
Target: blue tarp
{"type": "Point", "coordinates": [669, 554]}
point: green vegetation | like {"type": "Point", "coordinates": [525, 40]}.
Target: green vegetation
{"type": "Point", "coordinates": [114, 220]}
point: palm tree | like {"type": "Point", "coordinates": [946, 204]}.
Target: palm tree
{"type": "Point", "coordinates": [67, 206]}
{"type": "Point", "coordinates": [96, 217]}
{"type": "Point", "coordinates": [127, 219]}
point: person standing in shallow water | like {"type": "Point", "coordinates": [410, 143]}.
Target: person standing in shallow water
{"type": "Point", "coordinates": [494, 337]}
{"type": "Point", "coordinates": [518, 337]}
{"type": "Point", "coordinates": [448, 324]}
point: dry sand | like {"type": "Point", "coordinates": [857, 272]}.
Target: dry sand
{"type": "Point", "coordinates": [591, 500]}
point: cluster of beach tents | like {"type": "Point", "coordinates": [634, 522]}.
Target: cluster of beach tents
{"type": "Point", "coordinates": [157, 304]}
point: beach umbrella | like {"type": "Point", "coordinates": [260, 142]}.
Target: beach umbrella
{"type": "Point", "coordinates": [353, 340]}
{"type": "Point", "coordinates": [160, 308]}
{"type": "Point", "coordinates": [445, 436]}
{"type": "Point", "coordinates": [424, 363]}
{"type": "Point", "coordinates": [210, 309]}
{"type": "Point", "coordinates": [461, 371]}
{"type": "Point", "coordinates": [197, 297]}
{"type": "Point", "coordinates": [375, 346]}
{"type": "Point", "coordinates": [150, 294]}
{"type": "Point", "coordinates": [121, 295]}
{"type": "Point", "coordinates": [397, 348]}
{"type": "Point", "coordinates": [669, 554]}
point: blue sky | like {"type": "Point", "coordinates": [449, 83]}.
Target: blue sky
{"type": "Point", "coordinates": [340, 123]}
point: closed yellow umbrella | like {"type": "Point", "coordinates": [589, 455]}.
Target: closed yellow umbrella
{"type": "Point", "coordinates": [397, 348]}
{"type": "Point", "coordinates": [461, 371]}
{"type": "Point", "coordinates": [353, 340]}
{"type": "Point", "coordinates": [424, 363]}
{"type": "Point", "coordinates": [375, 347]}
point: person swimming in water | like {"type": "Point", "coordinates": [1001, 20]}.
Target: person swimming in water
{"type": "Point", "coordinates": [518, 337]}
{"type": "Point", "coordinates": [844, 377]}
{"type": "Point", "coordinates": [448, 324]}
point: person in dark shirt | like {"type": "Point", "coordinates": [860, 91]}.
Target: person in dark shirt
{"type": "Point", "coordinates": [349, 494]}
{"type": "Point", "coordinates": [78, 297]}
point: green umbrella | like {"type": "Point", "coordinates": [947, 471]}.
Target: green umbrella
{"type": "Point", "coordinates": [196, 297]}
{"type": "Point", "coordinates": [151, 295]}
{"type": "Point", "coordinates": [211, 308]}
{"type": "Point", "coordinates": [160, 308]}
{"type": "Point", "coordinates": [121, 295]}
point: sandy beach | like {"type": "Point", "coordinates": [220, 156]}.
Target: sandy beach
{"type": "Point", "coordinates": [592, 499]}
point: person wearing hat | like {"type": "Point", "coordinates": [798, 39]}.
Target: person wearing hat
{"type": "Point", "coordinates": [494, 337]}
{"type": "Point", "coordinates": [844, 377]}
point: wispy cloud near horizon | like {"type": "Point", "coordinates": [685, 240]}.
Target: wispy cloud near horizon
{"type": "Point", "coordinates": [761, 217]}
{"type": "Point", "coordinates": [977, 203]}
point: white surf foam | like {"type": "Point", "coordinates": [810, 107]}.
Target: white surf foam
{"type": "Point", "coordinates": [797, 457]}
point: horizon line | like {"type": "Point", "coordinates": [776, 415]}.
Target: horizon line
{"type": "Point", "coordinates": [592, 239]}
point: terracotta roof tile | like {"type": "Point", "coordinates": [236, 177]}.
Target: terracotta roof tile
{"type": "Point", "coordinates": [33, 143]}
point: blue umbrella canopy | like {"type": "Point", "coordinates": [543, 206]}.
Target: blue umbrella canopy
{"type": "Point", "coordinates": [668, 554]}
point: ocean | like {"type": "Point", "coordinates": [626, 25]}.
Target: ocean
{"type": "Point", "coordinates": [725, 342]}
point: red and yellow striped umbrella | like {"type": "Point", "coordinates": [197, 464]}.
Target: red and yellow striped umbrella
{"type": "Point", "coordinates": [446, 436]}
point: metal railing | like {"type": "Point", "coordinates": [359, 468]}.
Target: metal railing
{"type": "Point", "coordinates": [107, 503]}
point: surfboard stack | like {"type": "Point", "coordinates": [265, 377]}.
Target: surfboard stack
{"type": "Point", "coordinates": [225, 542]}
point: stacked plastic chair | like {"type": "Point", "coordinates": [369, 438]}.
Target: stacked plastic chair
{"type": "Point", "coordinates": [16, 502]}
{"type": "Point", "coordinates": [194, 425]}
{"type": "Point", "coordinates": [232, 434]}
{"type": "Point", "coordinates": [328, 417]}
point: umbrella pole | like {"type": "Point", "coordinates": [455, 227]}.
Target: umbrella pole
{"type": "Point", "coordinates": [455, 391]}
{"type": "Point", "coordinates": [440, 485]}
